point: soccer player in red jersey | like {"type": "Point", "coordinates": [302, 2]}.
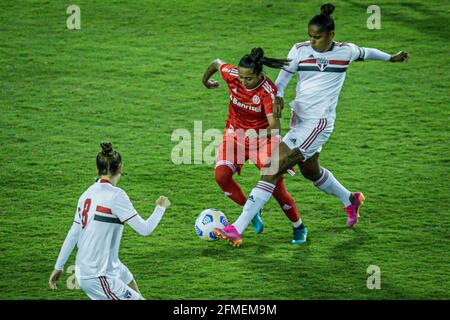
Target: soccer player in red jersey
{"type": "Point", "coordinates": [251, 131]}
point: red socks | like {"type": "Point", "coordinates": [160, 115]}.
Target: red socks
{"type": "Point", "coordinates": [286, 201]}
{"type": "Point", "coordinates": [224, 178]}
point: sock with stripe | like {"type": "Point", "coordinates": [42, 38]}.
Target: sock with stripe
{"type": "Point", "coordinates": [255, 202]}
{"type": "Point", "coordinates": [299, 225]}
{"type": "Point", "coordinates": [287, 203]}
{"type": "Point", "coordinates": [224, 178]}
{"type": "Point", "coordinates": [329, 184]}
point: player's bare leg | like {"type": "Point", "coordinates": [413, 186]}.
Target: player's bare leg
{"type": "Point", "coordinates": [325, 181]}
{"type": "Point", "coordinates": [281, 160]}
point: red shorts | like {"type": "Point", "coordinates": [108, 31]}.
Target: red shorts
{"type": "Point", "coordinates": [235, 150]}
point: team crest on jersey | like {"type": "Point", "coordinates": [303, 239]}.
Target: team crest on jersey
{"type": "Point", "coordinates": [256, 99]}
{"type": "Point", "coordinates": [322, 63]}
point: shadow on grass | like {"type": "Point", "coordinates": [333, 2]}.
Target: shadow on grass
{"type": "Point", "coordinates": [347, 249]}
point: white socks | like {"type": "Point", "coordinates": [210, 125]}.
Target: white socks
{"type": "Point", "coordinates": [297, 223]}
{"type": "Point", "coordinates": [328, 183]}
{"type": "Point", "coordinates": [263, 191]}
{"type": "Point", "coordinates": [255, 202]}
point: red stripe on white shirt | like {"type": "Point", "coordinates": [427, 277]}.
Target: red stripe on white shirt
{"type": "Point", "coordinates": [103, 210]}
{"type": "Point", "coordinates": [335, 62]}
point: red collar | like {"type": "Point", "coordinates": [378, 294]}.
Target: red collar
{"type": "Point", "coordinates": [104, 181]}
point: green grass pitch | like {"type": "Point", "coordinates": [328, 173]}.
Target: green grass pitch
{"type": "Point", "coordinates": [132, 75]}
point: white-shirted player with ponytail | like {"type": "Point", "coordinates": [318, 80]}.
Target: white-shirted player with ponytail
{"type": "Point", "coordinates": [97, 229]}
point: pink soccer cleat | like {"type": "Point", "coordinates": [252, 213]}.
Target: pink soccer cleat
{"type": "Point", "coordinates": [229, 233]}
{"type": "Point", "coordinates": [353, 209]}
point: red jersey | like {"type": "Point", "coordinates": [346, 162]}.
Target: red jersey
{"type": "Point", "coordinates": [248, 109]}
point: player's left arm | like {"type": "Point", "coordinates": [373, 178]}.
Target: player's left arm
{"type": "Point", "coordinates": [146, 227]}
{"type": "Point", "coordinates": [401, 56]}
{"type": "Point", "coordinates": [361, 53]}
{"type": "Point", "coordinates": [272, 130]}
{"type": "Point", "coordinates": [273, 119]}
{"type": "Point", "coordinates": [375, 54]}
{"type": "Point", "coordinates": [274, 125]}
{"type": "Point", "coordinates": [124, 210]}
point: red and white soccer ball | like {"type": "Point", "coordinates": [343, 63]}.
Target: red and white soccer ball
{"type": "Point", "coordinates": [207, 220]}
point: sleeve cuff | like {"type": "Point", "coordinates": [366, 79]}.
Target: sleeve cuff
{"type": "Point", "coordinates": [160, 210]}
{"type": "Point", "coordinates": [57, 267]}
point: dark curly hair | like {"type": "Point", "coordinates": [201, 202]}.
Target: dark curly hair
{"type": "Point", "coordinates": [108, 160]}
{"type": "Point", "coordinates": [324, 20]}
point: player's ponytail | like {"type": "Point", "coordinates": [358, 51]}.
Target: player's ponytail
{"type": "Point", "coordinates": [256, 59]}
{"type": "Point", "coordinates": [108, 160]}
{"type": "Point", "coordinates": [107, 148]}
{"type": "Point", "coordinates": [327, 9]}
{"type": "Point", "coordinates": [324, 20]}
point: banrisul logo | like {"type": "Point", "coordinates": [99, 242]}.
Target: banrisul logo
{"type": "Point", "coordinates": [322, 63]}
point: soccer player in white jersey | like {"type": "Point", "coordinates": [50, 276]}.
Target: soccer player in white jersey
{"type": "Point", "coordinates": [320, 64]}
{"type": "Point", "coordinates": [102, 211]}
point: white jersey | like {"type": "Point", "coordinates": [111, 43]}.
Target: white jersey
{"type": "Point", "coordinates": [102, 211]}
{"type": "Point", "coordinates": [320, 79]}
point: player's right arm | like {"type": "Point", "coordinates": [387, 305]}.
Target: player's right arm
{"type": "Point", "coordinates": [146, 227]}
{"type": "Point", "coordinates": [66, 250]}
{"type": "Point", "coordinates": [213, 68]}
{"type": "Point", "coordinates": [282, 81]}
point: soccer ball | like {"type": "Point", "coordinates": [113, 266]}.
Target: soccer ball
{"type": "Point", "coordinates": [207, 221]}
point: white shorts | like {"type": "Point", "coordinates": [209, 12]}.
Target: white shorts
{"type": "Point", "coordinates": [308, 136]}
{"type": "Point", "coordinates": [105, 288]}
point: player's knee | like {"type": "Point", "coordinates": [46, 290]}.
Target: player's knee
{"type": "Point", "coordinates": [271, 173]}
{"type": "Point", "coordinates": [310, 173]}
{"type": "Point", "coordinates": [271, 178]}
{"type": "Point", "coordinates": [223, 175]}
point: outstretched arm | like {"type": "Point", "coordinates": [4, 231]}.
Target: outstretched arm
{"type": "Point", "coordinates": [402, 56]}
{"type": "Point", "coordinates": [375, 54]}
{"type": "Point", "coordinates": [145, 227]}
{"type": "Point", "coordinates": [213, 68]}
